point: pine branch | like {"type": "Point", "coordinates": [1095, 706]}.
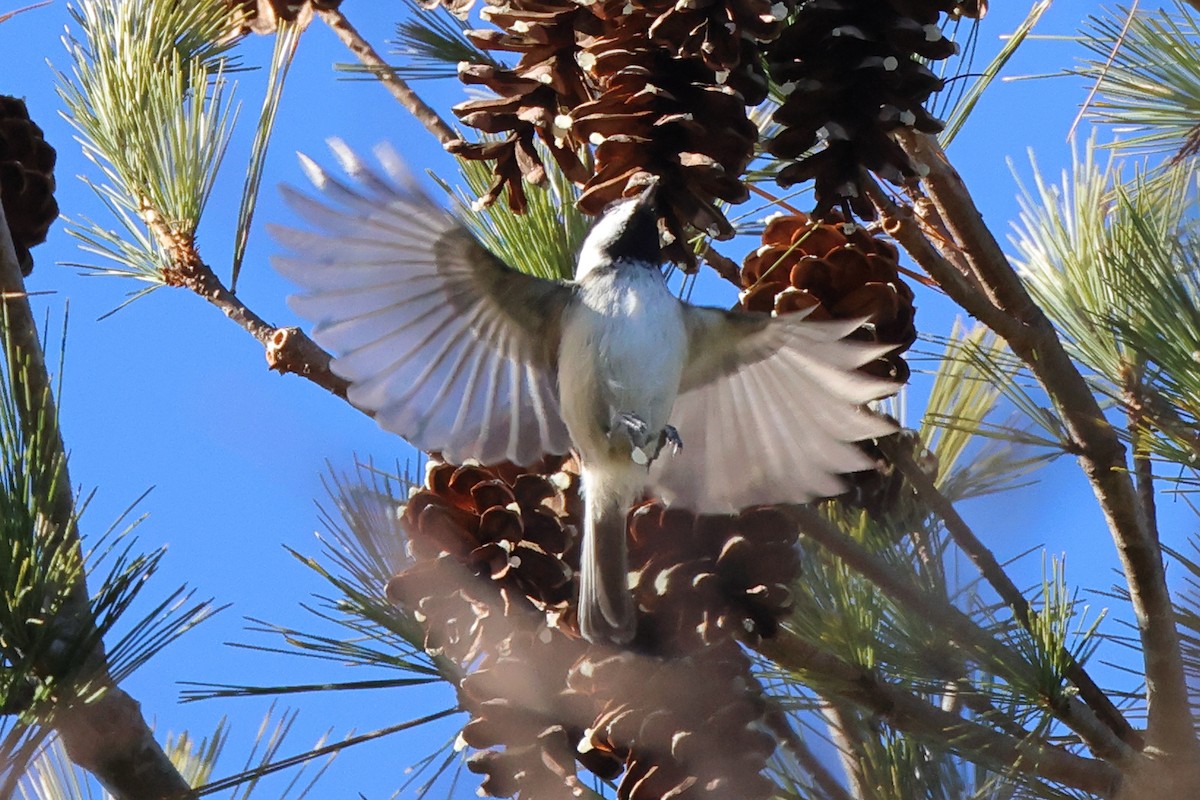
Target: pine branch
{"type": "Point", "coordinates": [361, 48]}
{"type": "Point", "coordinates": [1032, 337]}
{"type": "Point", "coordinates": [995, 575]}
{"type": "Point", "coordinates": [959, 627]}
{"type": "Point", "coordinates": [910, 713]}
{"type": "Point", "coordinates": [108, 736]}
{"type": "Point", "coordinates": [288, 350]}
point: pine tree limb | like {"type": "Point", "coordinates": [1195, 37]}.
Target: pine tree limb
{"type": "Point", "coordinates": [1100, 452]}
{"type": "Point", "coordinates": [994, 574]}
{"type": "Point", "coordinates": [398, 87]}
{"type": "Point", "coordinates": [958, 626]}
{"type": "Point", "coordinates": [910, 713]}
{"type": "Point", "coordinates": [108, 736]}
{"type": "Point", "coordinates": [288, 350]}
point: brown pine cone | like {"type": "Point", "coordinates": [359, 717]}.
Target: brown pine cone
{"type": "Point", "coordinates": [852, 73]}
{"type": "Point", "coordinates": [527, 724]}
{"type": "Point", "coordinates": [706, 580]}
{"type": "Point", "coordinates": [26, 179]}
{"type": "Point", "coordinates": [834, 270]}
{"type": "Point", "coordinates": [588, 78]}
{"type": "Point", "coordinates": [686, 727]}
{"type": "Point", "coordinates": [512, 526]}
{"type": "Point", "coordinates": [263, 16]}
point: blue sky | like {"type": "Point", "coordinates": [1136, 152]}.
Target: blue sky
{"type": "Point", "coordinates": [168, 394]}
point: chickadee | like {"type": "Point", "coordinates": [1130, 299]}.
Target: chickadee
{"type": "Point", "coordinates": [457, 352]}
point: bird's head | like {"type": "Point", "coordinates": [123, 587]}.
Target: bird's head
{"type": "Point", "coordinates": [627, 230]}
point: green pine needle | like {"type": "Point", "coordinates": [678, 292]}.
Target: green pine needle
{"type": "Point", "coordinates": [149, 95]}
{"type": "Point", "coordinates": [1146, 68]}
{"type": "Point", "coordinates": [545, 240]}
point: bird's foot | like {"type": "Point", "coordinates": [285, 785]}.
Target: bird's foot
{"type": "Point", "coordinates": [627, 426]}
{"type": "Point", "coordinates": [669, 436]}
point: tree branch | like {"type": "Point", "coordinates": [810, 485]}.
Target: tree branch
{"type": "Point", "coordinates": [995, 575]}
{"type": "Point", "coordinates": [399, 89]}
{"type": "Point", "coordinates": [1100, 452]}
{"type": "Point", "coordinates": [288, 350]}
{"type": "Point", "coordinates": [911, 714]}
{"type": "Point", "coordinates": [107, 736]}
{"type": "Point", "coordinates": [959, 627]}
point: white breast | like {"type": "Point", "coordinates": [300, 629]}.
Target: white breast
{"type": "Point", "coordinates": [623, 349]}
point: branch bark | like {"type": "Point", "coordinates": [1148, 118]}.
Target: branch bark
{"type": "Point", "coordinates": [1101, 455]}
{"type": "Point", "coordinates": [107, 736]}
{"type": "Point", "coordinates": [399, 89]}
{"type": "Point", "coordinates": [288, 350]}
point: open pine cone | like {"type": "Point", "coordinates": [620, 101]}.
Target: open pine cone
{"type": "Point", "coordinates": [852, 71]}
{"type": "Point", "coordinates": [839, 271]}
{"type": "Point", "coordinates": [263, 16]}
{"type": "Point", "coordinates": [494, 553]}
{"type": "Point", "coordinates": [26, 179]}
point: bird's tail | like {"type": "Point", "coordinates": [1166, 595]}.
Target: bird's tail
{"type": "Point", "coordinates": [605, 605]}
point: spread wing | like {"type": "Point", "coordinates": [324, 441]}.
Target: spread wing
{"type": "Point", "coordinates": [768, 411]}
{"type": "Point", "coordinates": [444, 343]}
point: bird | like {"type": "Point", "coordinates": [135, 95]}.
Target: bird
{"type": "Point", "coordinates": [456, 351]}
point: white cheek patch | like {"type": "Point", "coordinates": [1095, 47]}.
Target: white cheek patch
{"type": "Point", "coordinates": [606, 230]}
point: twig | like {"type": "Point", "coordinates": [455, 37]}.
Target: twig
{"type": "Point", "coordinates": [288, 350]}
{"type": "Point", "coordinates": [361, 48]}
{"type": "Point", "coordinates": [958, 626]}
{"type": "Point", "coordinates": [1099, 449]}
{"type": "Point", "coordinates": [989, 567]}
{"type": "Point", "coordinates": [108, 736]}
{"type": "Point", "coordinates": [910, 713]}
{"type": "Point", "coordinates": [898, 222]}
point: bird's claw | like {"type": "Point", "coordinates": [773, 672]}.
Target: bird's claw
{"type": "Point", "coordinates": [644, 447]}
{"type": "Point", "coordinates": [631, 427]}
{"type": "Point", "coordinates": [669, 436]}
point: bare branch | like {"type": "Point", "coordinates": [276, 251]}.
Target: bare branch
{"type": "Point", "coordinates": [108, 736]}
{"type": "Point", "coordinates": [361, 48]}
{"type": "Point", "coordinates": [287, 349]}
{"type": "Point", "coordinates": [1100, 452]}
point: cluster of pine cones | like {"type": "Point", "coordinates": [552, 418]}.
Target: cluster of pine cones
{"type": "Point", "coordinates": [495, 554]}
{"type": "Point", "coordinates": [620, 91]}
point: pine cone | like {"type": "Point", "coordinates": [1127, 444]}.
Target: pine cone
{"type": "Point", "coordinates": [686, 727]}
{"type": "Point", "coordinates": [725, 36]}
{"type": "Point", "coordinates": [589, 77]}
{"type": "Point", "coordinates": [263, 16]}
{"type": "Point", "coordinates": [851, 72]}
{"type": "Point", "coordinates": [511, 526]}
{"type": "Point", "coordinates": [834, 270]}
{"type": "Point", "coordinates": [704, 580]}
{"type": "Point", "coordinates": [667, 117]}
{"type": "Point", "coordinates": [26, 179]}
{"type": "Point", "coordinates": [526, 723]}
